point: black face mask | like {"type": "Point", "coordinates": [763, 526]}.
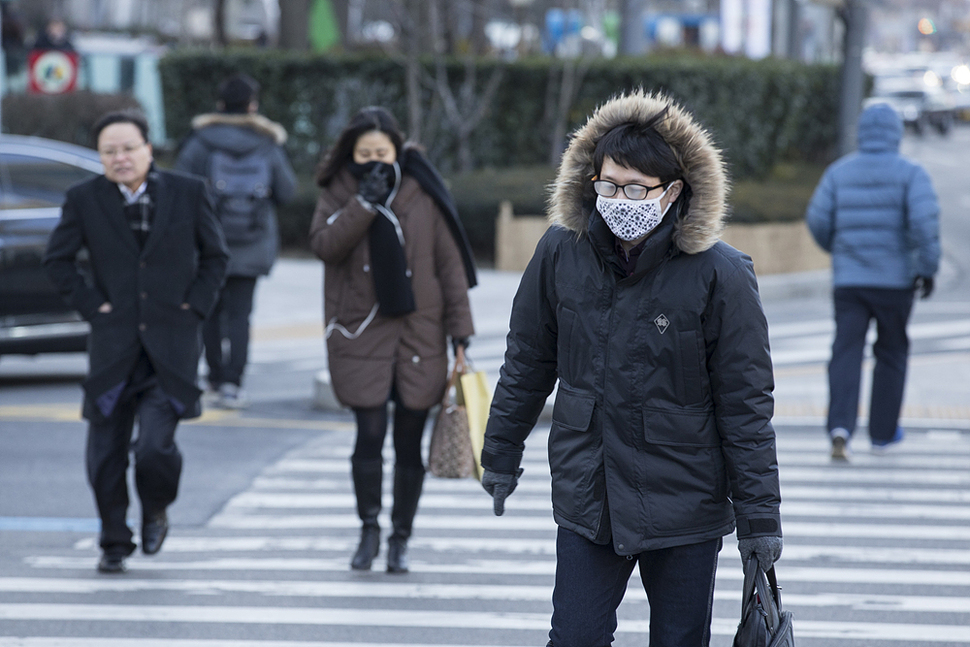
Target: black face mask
{"type": "Point", "coordinates": [360, 170]}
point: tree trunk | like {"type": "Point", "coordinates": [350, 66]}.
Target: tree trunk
{"type": "Point", "coordinates": [294, 22]}
{"type": "Point", "coordinates": [854, 15]}
{"type": "Point", "coordinates": [219, 23]}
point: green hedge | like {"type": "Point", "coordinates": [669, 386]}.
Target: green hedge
{"type": "Point", "coordinates": [759, 111]}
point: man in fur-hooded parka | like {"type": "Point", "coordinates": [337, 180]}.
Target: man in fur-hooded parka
{"type": "Point", "coordinates": [661, 433]}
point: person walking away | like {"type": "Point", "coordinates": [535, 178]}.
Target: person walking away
{"type": "Point", "coordinates": [397, 272]}
{"type": "Point", "coordinates": [157, 259]}
{"type": "Point", "coordinates": [241, 153]}
{"type": "Point", "coordinates": [661, 440]}
{"type": "Point", "coordinates": [877, 214]}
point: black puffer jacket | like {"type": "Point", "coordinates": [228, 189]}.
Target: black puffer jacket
{"type": "Point", "coordinates": [664, 402]}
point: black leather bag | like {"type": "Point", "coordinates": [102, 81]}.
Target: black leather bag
{"type": "Point", "coordinates": [763, 621]}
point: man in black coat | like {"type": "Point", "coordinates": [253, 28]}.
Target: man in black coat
{"type": "Point", "coordinates": [157, 260]}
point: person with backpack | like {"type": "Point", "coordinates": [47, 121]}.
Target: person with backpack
{"type": "Point", "coordinates": [241, 153]}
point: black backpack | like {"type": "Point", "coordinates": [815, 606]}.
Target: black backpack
{"type": "Point", "coordinates": [242, 186]}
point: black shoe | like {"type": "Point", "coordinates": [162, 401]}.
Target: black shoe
{"type": "Point", "coordinates": [112, 563]}
{"type": "Point", "coordinates": [370, 545]}
{"type": "Point", "coordinates": [153, 531]}
{"type": "Point", "coordinates": [397, 555]}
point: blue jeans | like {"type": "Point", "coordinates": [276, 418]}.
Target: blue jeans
{"type": "Point", "coordinates": [854, 309]}
{"type": "Point", "coordinates": [591, 580]}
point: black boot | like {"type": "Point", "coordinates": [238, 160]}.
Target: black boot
{"type": "Point", "coordinates": [367, 477]}
{"type": "Point", "coordinates": [407, 490]}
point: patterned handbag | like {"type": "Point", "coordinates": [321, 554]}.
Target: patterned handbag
{"type": "Point", "coordinates": [451, 455]}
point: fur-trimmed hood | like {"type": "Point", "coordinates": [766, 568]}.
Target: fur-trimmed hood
{"type": "Point", "coordinates": [256, 122]}
{"type": "Point", "coordinates": [702, 167]}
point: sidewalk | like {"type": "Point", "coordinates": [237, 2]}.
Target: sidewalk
{"type": "Point", "coordinates": [289, 311]}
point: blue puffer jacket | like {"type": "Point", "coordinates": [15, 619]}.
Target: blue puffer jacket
{"type": "Point", "coordinates": [876, 212]}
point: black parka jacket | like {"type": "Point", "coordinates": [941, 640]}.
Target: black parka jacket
{"type": "Point", "coordinates": [664, 400]}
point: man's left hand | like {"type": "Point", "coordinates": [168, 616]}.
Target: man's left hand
{"type": "Point", "coordinates": [923, 285]}
{"type": "Point", "coordinates": [767, 550]}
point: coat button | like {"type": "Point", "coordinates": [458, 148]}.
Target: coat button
{"type": "Point", "coordinates": [142, 327]}
{"type": "Point", "coordinates": [407, 273]}
{"type": "Point", "coordinates": [621, 546]}
{"type": "Point", "coordinates": [143, 265]}
{"type": "Point", "coordinates": [367, 268]}
{"type": "Point", "coordinates": [144, 295]}
{"type": "Point", "coordinates": [415, 359]}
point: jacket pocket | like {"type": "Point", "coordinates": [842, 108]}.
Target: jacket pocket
{"type": "Point", "coordinates": [573, 409]}
{"type": "Point", "coordinates": [576, 459]}
{"type": "Point", "coordinates": [680, 427]}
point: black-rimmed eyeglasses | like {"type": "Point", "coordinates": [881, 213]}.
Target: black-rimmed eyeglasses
{"type": "Point", "coordinates": [608, 189]}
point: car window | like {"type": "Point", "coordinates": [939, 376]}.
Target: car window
{"type": "Point", "coordinates": [30, 181]}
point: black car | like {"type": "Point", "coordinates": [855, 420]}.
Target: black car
{"type": "Point", "coordinates": [34, 175]}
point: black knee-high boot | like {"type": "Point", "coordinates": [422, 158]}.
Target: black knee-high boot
{"type": "Point", "coordinates": [408, 482]}
{"type": "Point", "coordinates": [368, 477]}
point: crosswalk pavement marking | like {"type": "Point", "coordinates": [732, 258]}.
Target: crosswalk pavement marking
{"type": "Point", "coordinates": [278, 529]}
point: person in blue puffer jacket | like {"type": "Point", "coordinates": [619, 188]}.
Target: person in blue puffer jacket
{"type": "Point", "coordinates": [877, 214]}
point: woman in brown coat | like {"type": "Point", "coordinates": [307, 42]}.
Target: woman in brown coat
{"type": "Point", "coordinates": [398, 269]}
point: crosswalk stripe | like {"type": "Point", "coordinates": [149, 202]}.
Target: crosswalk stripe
{"type": "Point", "coordinates": [486, 521]}
{"type": "Point", "coordinates": [533, 546]}
{"type": "Point", "coordinates": [533, 593]}
{"type": "Point", "coordinates": [176, 642]}
{"type": "Point", "coordinates": [291, 500]}
{"type": "Point", "coordinates": [435, 619]}
{"type": "Point", "coordinates": [730, 569]}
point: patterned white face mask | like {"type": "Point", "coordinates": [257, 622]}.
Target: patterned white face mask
{"type": "Point", "coordinates": [631, 219]}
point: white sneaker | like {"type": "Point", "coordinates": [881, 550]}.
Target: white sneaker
{"type": "Point", "coordinates": [232, 397]}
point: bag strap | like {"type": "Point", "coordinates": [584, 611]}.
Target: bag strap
{"type": "Point", "coordinates": [765, 585]}
{"type": "Point", "coordinates": [457, 371]}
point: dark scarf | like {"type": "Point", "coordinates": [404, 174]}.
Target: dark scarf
{"type": "Point", "coordinates": [392, 279]}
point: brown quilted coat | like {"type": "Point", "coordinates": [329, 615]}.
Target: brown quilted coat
{"type": "Point", "coordinates": [409, 351]}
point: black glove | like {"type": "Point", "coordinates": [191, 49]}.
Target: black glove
{"type": "Point", "coordinates": [766, 549]}
{"type": "Point", "coordinates": [464, 342]}
{"type": "Point", "coordinates": [376, 185]}
{"type": "Point", "coordinates": [500, 486]}
{"type": "Point", "coordinates": [923, 285]}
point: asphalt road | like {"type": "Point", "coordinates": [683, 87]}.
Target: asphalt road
{"type": "Point", "coordinates": [877, 553]}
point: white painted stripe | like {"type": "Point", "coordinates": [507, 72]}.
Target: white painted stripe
{"type": "Point", "coordinates": [874, 511]}
{"type": "Point", "coordinates": [431, 619]}
{"type": "Point", "coordinates": [897, 457]}
{"type": "Point", "coordinates": [537, 593]}
{"type": "Point", "coordinates": [168, 642]}
{"type": "Point", "coordinates": [542, 547]}
{"type": "Point", "coordinates": [875, 494]}
{"type": "Point", "coordinates": [485, 520]}
{"type": "Point", "coordinates": [729, 570]}
{"type": "Point", "coordinates": [867, 631]}
{"type": "Point", "coordinates": [884, 531]}
{"type": "Point", "coordinates": [276, 616]}
{"type": "Point", "coordinates": [298, 500]}
{"type": "Point", "coordinates": [847, 474]}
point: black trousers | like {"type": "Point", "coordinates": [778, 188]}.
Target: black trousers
{"type": "Point", "coordinates": [855, 308]}
{"type": "Point", "coordinates": [158, 463]}
{"type": "Point", "coordinates": [229, 320]}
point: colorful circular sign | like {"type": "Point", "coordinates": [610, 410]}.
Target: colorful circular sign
{"type": "Point", "coordinates": [52, 71]}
